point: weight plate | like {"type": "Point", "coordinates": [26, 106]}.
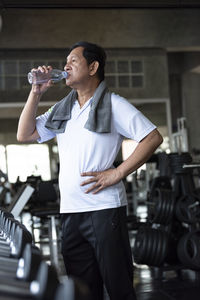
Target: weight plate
{"type": "Point", "coordinates": [163, 209]}
{"type": "Point", "coordinates": [188, 250]}
{"type": "Point", "coordinates": [139, 246]}
{"type": "Point", "coordinates": [161, 252]}
{"type": "Point", "coordinates": [188, 209]}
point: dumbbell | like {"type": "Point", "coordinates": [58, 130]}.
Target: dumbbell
{"type": "Point", "coordinates": [19, 240]}
{"type": "Point", "coordinates": [11, 247]}
{"type": "Point", "coordinates": [24, 268]}
{"type": "Point", "coordinates": [43, 287]}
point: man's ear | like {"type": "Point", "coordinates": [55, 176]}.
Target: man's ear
{"type": "Point", "coordinates": [93, 67]}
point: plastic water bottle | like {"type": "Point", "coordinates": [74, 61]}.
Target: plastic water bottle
{"type": "Point", "coordinates": [38, 77]}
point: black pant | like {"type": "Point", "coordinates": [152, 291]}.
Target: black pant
{"type": "Point", "coordinates": [96, 249]}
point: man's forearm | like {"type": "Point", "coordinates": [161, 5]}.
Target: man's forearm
{"type": "Point", "coordinates": [26, 127]}
{"type": "Point", "coordinates": [142, 153]}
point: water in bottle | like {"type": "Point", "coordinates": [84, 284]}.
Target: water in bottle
{"type": "Point", "coordinates": [38, 77]}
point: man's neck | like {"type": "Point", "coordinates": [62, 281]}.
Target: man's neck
{"type": "Point", "coordinates": [86, 93]}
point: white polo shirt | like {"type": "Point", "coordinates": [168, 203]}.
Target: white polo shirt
{"type": "Point", "coordinates": [81, 150]}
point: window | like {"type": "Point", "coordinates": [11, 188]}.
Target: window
{"type": "Point", "coordinates": [125, 73]}
{"type": "Point", "coordinates": [21, 161]}
{"type": "Point", "coordinates": [128, 146]}
{"type": "Point", "coordinates": [120, 72]}
{"type": "Point", "coordinates": [3, 159]}
{"type": "Point", "coordinates": [13, 73]}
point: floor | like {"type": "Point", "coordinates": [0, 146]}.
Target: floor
{"type": "Point", "coordinates": [168, 286]}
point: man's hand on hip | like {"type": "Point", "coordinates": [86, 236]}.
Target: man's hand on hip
{"type": "Point", "coordinates": [101, 180]}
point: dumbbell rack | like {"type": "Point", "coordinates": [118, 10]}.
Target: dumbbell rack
{"type": "Point", "coordinates": [24, 274]}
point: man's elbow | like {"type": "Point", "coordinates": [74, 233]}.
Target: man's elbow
{"type": "Point", "coordinates": [158, 139]}
{"type": "Point", "coordinates": [24, 139]}
{"type": "Point", "coordinates": [27, 137]}
{"type": "Point", "coordinates": [21, 138]}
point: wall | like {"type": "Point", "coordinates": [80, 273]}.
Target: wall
{"type": "Point", "coordinates": [185, 92]}
{"type": "Point", "coordinates": [111, 28]}
{"type": "Point", "coordinates": [191, 104]}
{"type": "Point", "coordinates": [160, 36]}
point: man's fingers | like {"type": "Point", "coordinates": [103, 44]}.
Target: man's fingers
{"type": "Point", "coordinates": [98, 190]}
{"type": "Point", "coordinates": [93, 179]}
{"type": "Point", "coordinates": [90, 180]}
{"type": "Point", "coordinates": [94, 186]}
{"type": "Point", "coordinates": [103, 179]}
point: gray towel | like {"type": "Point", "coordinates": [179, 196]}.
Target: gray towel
{"type": "Point", "coordinates": [99, 119]}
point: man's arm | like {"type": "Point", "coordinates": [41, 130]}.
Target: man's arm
{"type": "Point", "coordinates": [141, 154]}
{"type": "Point", "coordinates": [27, 131]}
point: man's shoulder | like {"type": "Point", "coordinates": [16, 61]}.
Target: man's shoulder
{"type": "Point", "coordinates": [116, 98]}
{"type": "Point", "coordinates": [121, 105]}
{"type": "Point", "coordinates": [118, 101]}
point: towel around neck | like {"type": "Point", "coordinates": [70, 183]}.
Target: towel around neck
{"type": "Point", "coordinates": [99, 119]}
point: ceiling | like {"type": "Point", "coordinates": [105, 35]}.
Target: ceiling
{"type": "Point", "coordinates": [7, 4]}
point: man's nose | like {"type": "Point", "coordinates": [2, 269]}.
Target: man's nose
{"type": "Point", "coordinates": [66, 67]}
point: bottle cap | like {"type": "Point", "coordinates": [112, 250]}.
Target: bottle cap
{"type": "Point", "coordinates": [65, 74]}
{"type": "Point", "coordinates": [30, 77]}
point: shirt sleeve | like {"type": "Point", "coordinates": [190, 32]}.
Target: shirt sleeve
{"type": "Point", "coordinates": [44, 133]}
{"type": "Point", "coordinates": [128, 120]}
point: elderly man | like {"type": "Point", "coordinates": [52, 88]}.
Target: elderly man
{"type": "Point", "coordinates": [90, 124]}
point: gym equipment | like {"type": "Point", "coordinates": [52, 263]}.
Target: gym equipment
{"type": "Point", "coordinates": [46, 282]}
{"type": "Point", "coordinates": [188, 250]}
{"type": "Point", "coordinates": [180, 138]}
{"type": "Point", "coordinates": [25, 268]}
{"type": "Point", "coordinates": [161, 182]}
{"type": "Point", "coordinates": [161, 206]}
{"type": "Point", "coordinates": [43, 287]}
{"type": "Point", "coordinates": [151, 246]}
{"type": "Point", "coordinates": [178, 160]}
{"type": "Point", "coordinates": [31, 270]}
{"type": "Point", "coordinates": [20, 200]}
{"type": "Point", "coordinates": [24, 274]}
{"type": "Point", "coordinates": [171, 234]}
{"type": "Point", "coordinates": [17, 243]}
{"type": "Point", "coordinates": [188, 209]}
{"type": "Point", "coordinates": [4, 187]}
{"type": "Point", "coordinates": [46, 212]}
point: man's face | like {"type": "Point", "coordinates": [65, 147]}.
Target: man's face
{"type": "Point", "coordinates": [77, 68]}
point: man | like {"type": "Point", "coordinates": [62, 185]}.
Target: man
{"type": "Point", "coordinates": [89, 125]}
